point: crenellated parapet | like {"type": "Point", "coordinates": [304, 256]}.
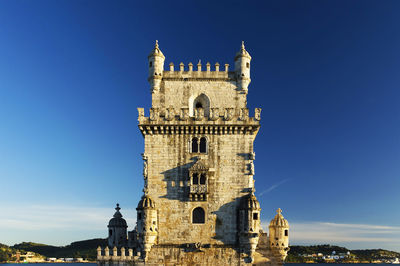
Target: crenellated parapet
{"type": "Point", "coordinates": [219, 121]}
{"type": "Point", "coordinates": [189, 74]}
{"type": "Point", "coordinates": [116, 255]}
{"type": "Point", "coordinates": [240, 76]}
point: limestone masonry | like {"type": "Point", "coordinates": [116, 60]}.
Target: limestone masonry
{"type": "Point", "coordinates": [198, 206]}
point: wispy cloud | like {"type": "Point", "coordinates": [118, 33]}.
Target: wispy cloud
{"type": "Point", "coordinates": [353, 236]}
{"type": "Point", "coordinates": [274, 186]}
{"type": "Point", "coordinates": [37, 217]}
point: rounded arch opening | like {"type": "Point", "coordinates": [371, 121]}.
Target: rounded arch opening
{"type": "Point", "coordinates": [201, 101]}
{"type": "Point", "coordinates": [198, 216]}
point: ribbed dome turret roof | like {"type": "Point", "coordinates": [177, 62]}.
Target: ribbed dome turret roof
{"type": "Point", "coordinates": [242, 52]}
{"type": "Point", "coordinates": [279, 220]}
{"type": "Point", "coordinates": [249, 202]}
{"type": "Point", "coordinates": [117, 220]}
{"type": "Point", "coordinates": [156, 51]}
{"type": "Point", "coordinates": [145, 202]}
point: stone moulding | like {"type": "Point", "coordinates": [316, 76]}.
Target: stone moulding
{"type": "Point", "coordinates": [151, 129]}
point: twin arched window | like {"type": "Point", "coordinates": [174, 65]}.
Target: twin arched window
{"type": "Point", "coordinates": [198, 216]}
{"type": "Point", "coordinates": [198, 179]}
{"type": "Point", "coordinates": [199, 146]}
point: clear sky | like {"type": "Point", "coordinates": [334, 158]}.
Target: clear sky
{"type": "Point", "coordinates": [326, 74]}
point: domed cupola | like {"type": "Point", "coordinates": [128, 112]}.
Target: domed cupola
{"type": "Point", "coordinates": [117, 220]}
{"type": "Point", "coordinates": [279, 235]}
{"type": "Point", "coordinates": [250, 202]}
{"type": "Point", "coordinates": [145, 203]}
{"type": "Point", "coordinates": [156, 51]}
{"type": "Point", "coordinates": [278, 220]}
{"type": "Point", "coordinates": [242, 52]}
{"type": "Point", "coordinates": [117, 229]}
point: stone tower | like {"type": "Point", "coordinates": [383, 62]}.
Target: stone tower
{"type": "Point", "coordinates": [279, 235]}
{"type": "Point", "coordinates": [198, 206]}
{"type": "Point", "coordinates": [117, 233]}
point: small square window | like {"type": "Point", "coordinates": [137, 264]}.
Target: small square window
{"type": "Point", "coordinates": [255, 216]}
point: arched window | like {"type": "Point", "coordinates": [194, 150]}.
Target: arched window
{"type": "Point", "coordinates": [198, 216]}
{"type": "Point", "coordinates": [195, 145]}
{"type": "Point", "coordinates": [195, 179]}
{"type": "Point", "coordinates": [203, 145]}
{"type": "Point", "coordinates": [201, 101]}
{"type": "Point", "coordinates": [286, 232]}
{"type": "Point", "coordinates": [202, 179]}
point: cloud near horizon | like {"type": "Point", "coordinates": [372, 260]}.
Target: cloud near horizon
{"type": "Point", "coordinates": [352, 236]}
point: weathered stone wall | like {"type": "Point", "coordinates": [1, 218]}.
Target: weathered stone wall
{"type": "Point", "coordinates": [179, 93]}
{"type": "Point", "coordinates": [169, 161]}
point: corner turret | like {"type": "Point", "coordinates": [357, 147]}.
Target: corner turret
{"type": "Point", "coordinates": [249, 224]}
{"type": "Point", "coordinates": [279, 235]}
{"type": "Point", "coordinates": [242, 69]}
{"type": "Point", "coordinates": [147, 226]}
{"type": "Point", "coordinates": [117, 230]}
{"type": "Point", "coordinates": [156, 68]}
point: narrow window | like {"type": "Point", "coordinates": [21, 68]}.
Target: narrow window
{"type": "Point", "coordinates": [203, 145]}
{"type": "Point", "coordinates": [139, 216]}
{"type": "Point", "coordinates": [255, 216]}
{"type": "Point", "coordinates": [151, 63]}
{"type": "Point", "coordinates": [110, 232]}
{"type": "Point", "coordinates": [195, 179]}
{"type": "Point", "coordinates": [202, 179]}
{"type": "Point", "coordinates": [248, 65]}
{"type": "Point", "coordinates": [198, 216]}
{"type": "Point", "coordinates": [195, 145]}
{"type": "Point", "coordinates": [286, 232]}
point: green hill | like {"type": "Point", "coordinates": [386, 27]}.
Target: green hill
{"type": "Point", "coordinates": [84, 249]}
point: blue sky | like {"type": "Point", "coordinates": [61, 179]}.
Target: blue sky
{"type": "Point", "coordinates": [72, 74]}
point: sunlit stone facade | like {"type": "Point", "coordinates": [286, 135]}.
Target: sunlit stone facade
{"type": "Point", "coordinates": [198, 206]}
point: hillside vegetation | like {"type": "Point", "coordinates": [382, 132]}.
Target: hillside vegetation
{"type": "Point", "coordinates": [300, 254]}
{"type": "Point", "coordinates": [80, 249]}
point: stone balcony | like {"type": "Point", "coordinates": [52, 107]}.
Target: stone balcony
{"type": "Point", "coordinates": [198, 192]}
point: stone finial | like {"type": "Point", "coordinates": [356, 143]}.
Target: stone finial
{"type": "Point", "coordinates": [140, 113]}
{"type": "Point", "coordinates": [208, 67]}
{"type": "Point", "coordinates": [117, 208]}
{"type": "Point", "coordinates": [226, 67]}
{"type": "Point", "coordinates": [181, 67]}
{"type": "Point", "coordinates": [171, 67]}
{"type": "Point", "coordinates": [217, 67]}
{"type": "Point", "coordinates": [279, 211]}
{"type": "Point", "coordinates": [199, 66]}
{"type": "Point", "coordinates": [257, 114]}
{"type": "Point", "coordinates": [156, 46]}
{"type": "Point", "coordinates": [98, 252]}
{"type": "Point", "coordinates": [243, 45]}
{"type": "Point", "coordinates": [130, 252]}
{"type": "Point", "coordinates": [190, 67]}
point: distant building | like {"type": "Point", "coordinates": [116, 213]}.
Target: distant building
{"type": "Point", "coordinates": [198, 206]}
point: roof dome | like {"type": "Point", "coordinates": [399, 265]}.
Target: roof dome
{"type": "Point", "coordinates": [242, 52]}
{"type": "Point", "coordinates": [117, 220]}
{"type": "Point", "coordinates": [249, 202]}
{"type": "Point", "coordinates": [145, 202]}
{"type": "Point", "coordinates": [156, 51]}
{"type": "Point", "coordinates": [279, 220]}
